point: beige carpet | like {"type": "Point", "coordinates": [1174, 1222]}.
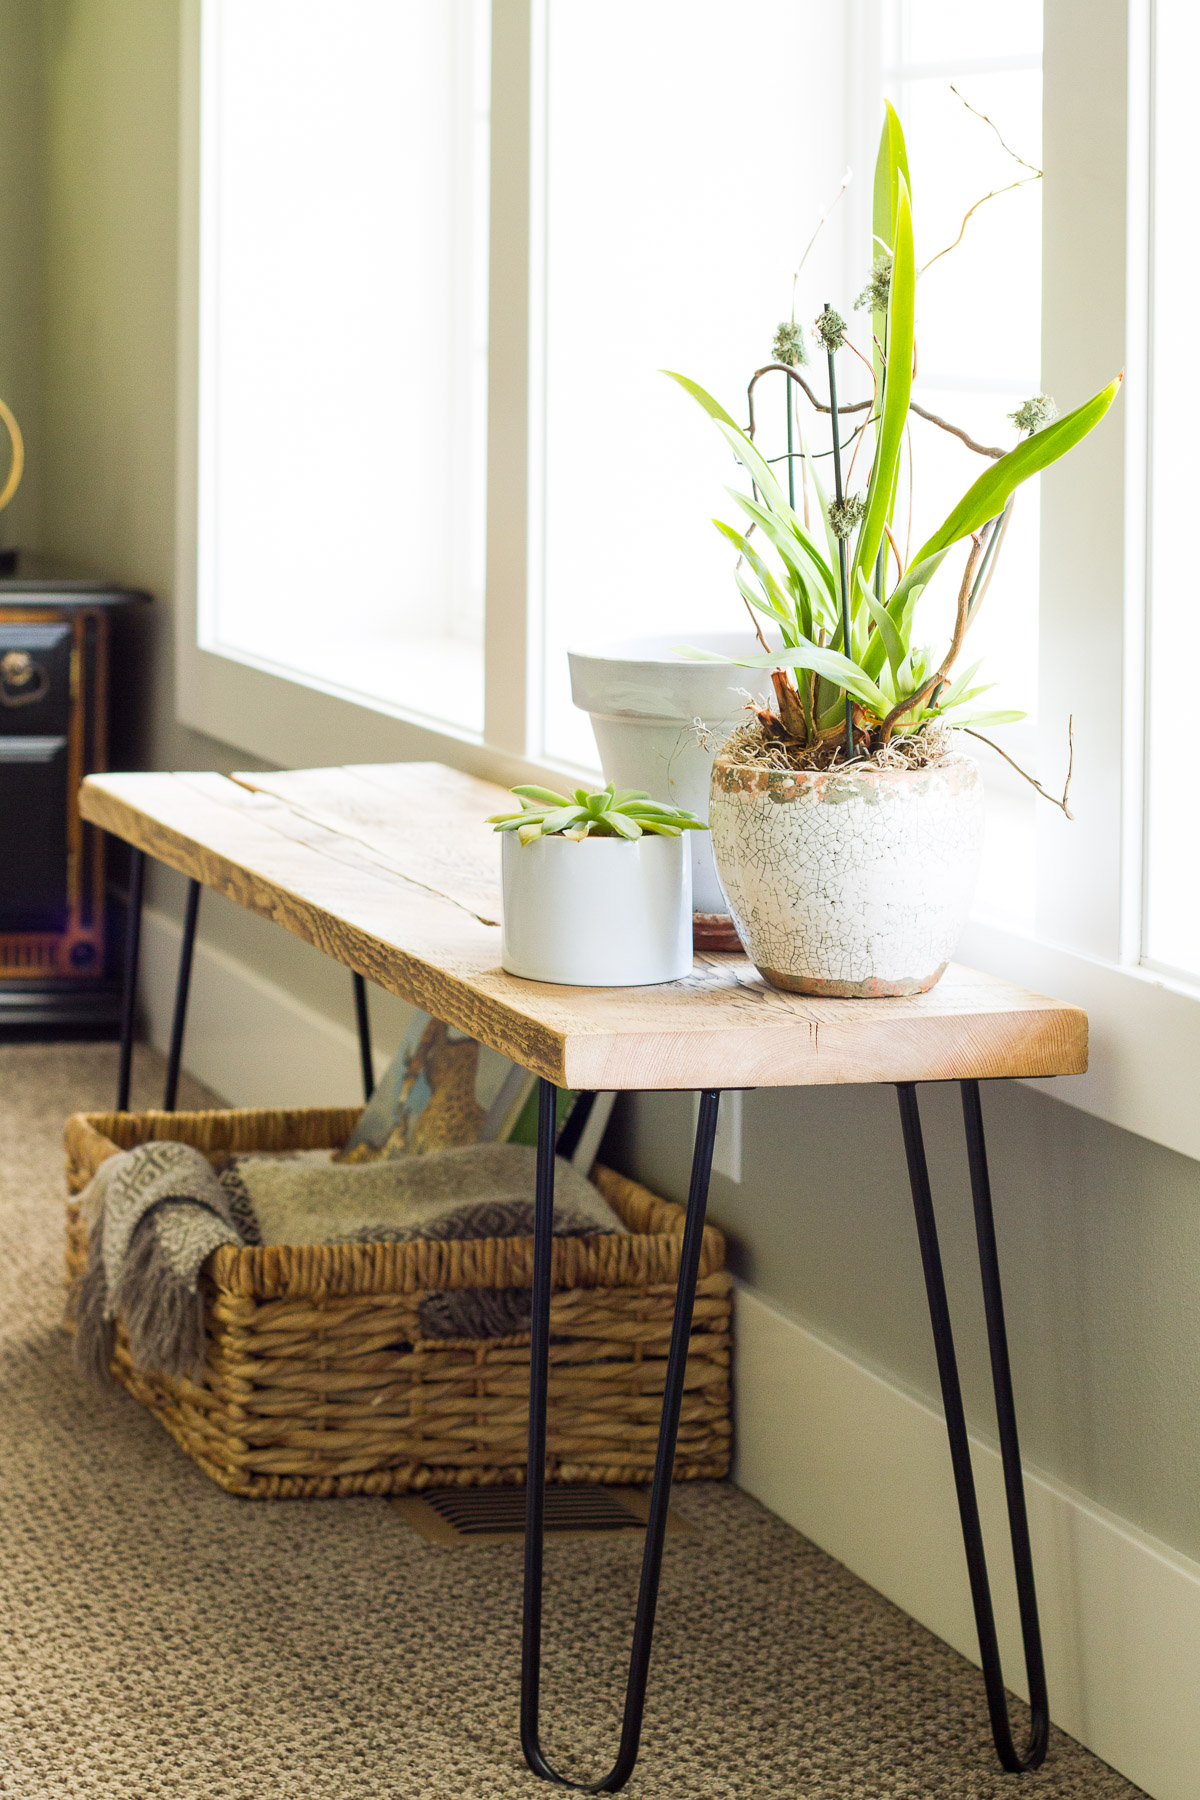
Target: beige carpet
{"type": "Point", "coordinates": [158, 1637]}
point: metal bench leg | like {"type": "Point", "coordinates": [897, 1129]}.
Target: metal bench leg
{"type": "Point", "coordinates": [660, 1496]}
{"type": "Point", "coordinates": [363, 1018]}
{"type": "Point", "coordinates": [1011, 1758]}
{"type": "Point", "coordinates": [183, 982]}
{"type": "Point", "coordinates": [133, 940]}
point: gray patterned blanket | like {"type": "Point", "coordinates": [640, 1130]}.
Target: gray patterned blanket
{"type": "Point", "coordinates": [156, 1213]}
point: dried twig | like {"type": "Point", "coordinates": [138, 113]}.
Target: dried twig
{"type": "Point", "coordinates": [856, 406]}
{"type": "Point", "coordinates": [1007, 148]}
{"type": "Point", "coordinates": [1022, 180]}
{"type": "Point", "coordinates": [1024, 773]}
{"type": "Point", "coordinates": [955, 431]}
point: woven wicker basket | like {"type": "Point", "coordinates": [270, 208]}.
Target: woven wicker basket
{"type": "Point", "coordinates": [318, 1381]}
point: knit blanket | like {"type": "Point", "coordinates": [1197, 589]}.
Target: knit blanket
{"type": "Point", "coordinates": [156, 1213]}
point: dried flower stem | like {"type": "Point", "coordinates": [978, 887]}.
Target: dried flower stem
{"type": "Point", "coordinates": [1007, 148]}
{"type": "Point", "coordinates": [1022, 180]}
{"type": "Point", "coordinates": [956, 431]}
{"type": "Point", "coordinates": [1024, 773]}
{"type": "Point", "coordinates": [824, 214]}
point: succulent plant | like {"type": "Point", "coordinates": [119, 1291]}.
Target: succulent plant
{"type": "Point", "coordinates": [607, 813]}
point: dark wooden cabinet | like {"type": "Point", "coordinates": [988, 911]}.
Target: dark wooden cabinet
{"type": "Point", "coordinates": [57, 973]}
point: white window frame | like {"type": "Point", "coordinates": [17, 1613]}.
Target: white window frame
{"type": "Point", "coordinates": [1086, 943]}
{"type": "Point", "coordinates": [293, 721]}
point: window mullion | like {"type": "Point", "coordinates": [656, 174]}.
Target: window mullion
{"type": "Point", "coordinates": [1082, 620]}
{"type": "Point", "coordinates": [513, 508]}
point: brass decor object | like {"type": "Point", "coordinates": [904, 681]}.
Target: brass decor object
{"type": "Point", "coordinates": [319, 1382]}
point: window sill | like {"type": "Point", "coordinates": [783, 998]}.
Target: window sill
{"type": "Point", "coordinates": [1144, 1032]}
{"type": "Point", "coordinates": [1145, 1027]}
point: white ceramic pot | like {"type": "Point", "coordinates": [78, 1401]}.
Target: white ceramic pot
{"type": "Point", "coordinates": [644, 701]}
{"type": "Point", "coordinates": [603, 912]}
{"type": "Point", "coordinates": [848, 881]}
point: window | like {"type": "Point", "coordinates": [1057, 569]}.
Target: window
{"type": "Point", "coordinates": [413, 296]}
{"type": "Point", "coordinates": [979, 345]}
{"type": "Point", "coordinates": [682, 178]}
{"type": "Point", "coordinates": [1171, 938]}
{"type": "Point", "coordinates": [343, 346]}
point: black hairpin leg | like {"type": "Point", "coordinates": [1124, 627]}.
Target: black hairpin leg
{"type": "Point", "coordinates": [133, 940]}
{"type": "Point", "coordinates": [575, 1124]}
{"type": "Point", "coordinates": [660, 1496]}
{"type": "Point", "coordinates": [183, 982]}
{"type": "Point", "coordinates": [956, 1425]}
{"type": "Point", "coordinates": [363, 1019]}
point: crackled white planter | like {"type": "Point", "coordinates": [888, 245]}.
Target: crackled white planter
{"type": "Point", "coordinates": [854, 881]}
{"type": "Point", "coordinates": [644, 701]}
{"type": "Point", "coordinates": [601, 912]}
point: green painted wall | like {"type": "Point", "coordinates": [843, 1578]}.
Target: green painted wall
{"type": "Point", "coordinates": [22, 213]}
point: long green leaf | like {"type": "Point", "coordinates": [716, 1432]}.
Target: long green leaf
{"type": "Point", "coordinates": [792, 541]}
{"type": "Point", "coordinates": [896, 394]}
{"type": "Point", "coordinates": [985, 498]}
{"type": "Point", "coordinates": [786, 625]}
{"type": "Point", "coordinates": [958, 687]}
{"type": "Point", "coordinates": [890, 164]}
{"type": "Point", "coordinates": [886, 627]}
{"type": "Point", "coordinates": [783, 604]}
{"type": "Point", "coordinates": [909, 588]}
{"type": "Point", "coordinates": [712, 407]}
{"type": "Point", "coordinates": [823, 503]}
{"type": "Point", "coordinates": [830, 663]}
{"type": "Point", "coordinates": [987, 718]}
{"type": "Point", "coordinates": [756, 466]}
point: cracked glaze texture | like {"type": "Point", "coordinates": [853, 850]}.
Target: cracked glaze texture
{"type": "Point", "coordinates": [850, 881]}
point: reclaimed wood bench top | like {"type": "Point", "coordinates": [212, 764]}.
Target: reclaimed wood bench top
{"type": "Point", "coordinates": [390, 869]}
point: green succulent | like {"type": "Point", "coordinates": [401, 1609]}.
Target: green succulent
{"type": "Point", "coordinates": [629, 814]}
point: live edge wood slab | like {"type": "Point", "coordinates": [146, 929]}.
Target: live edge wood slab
{"type": "Point", "coordinates": [390, 869]}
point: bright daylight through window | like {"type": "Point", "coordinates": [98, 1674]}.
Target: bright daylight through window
{"type": "Point", "coordinates": [344, 155]}
{"type": "Point", "coordinates": [1171, 940]}
{"type": "Point", "coordinates": [979, 345]}
{"type": "Point", "coordinates": [343, 341]}
{"type": "Point", "coordinates": [643, 273]}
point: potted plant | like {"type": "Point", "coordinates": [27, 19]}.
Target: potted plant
{"type": "Point", "coordinates": [597, 888]}
{"type": "Point", "coordinates": [846, 821]}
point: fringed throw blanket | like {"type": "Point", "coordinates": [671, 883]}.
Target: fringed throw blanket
{"type": "Point", "coordinates": [155, 1214]}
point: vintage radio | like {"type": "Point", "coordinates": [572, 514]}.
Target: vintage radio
{"type": "Point", "coordinates": [56, 970]}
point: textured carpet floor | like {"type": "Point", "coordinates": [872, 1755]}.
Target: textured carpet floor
{"type": "Point", "coordinates": [160, 1638]}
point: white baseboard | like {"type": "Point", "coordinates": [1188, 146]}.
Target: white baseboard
{"type": "Point", "coordinates": [862, 1468]}
{"type": "Point", "coordinates": [248, 1039]}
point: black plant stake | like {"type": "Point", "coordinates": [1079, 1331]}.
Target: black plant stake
{"type": "Point", "coordinates": [787, 389]}
{"type": "Point", "coordinates": [839, 498]}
